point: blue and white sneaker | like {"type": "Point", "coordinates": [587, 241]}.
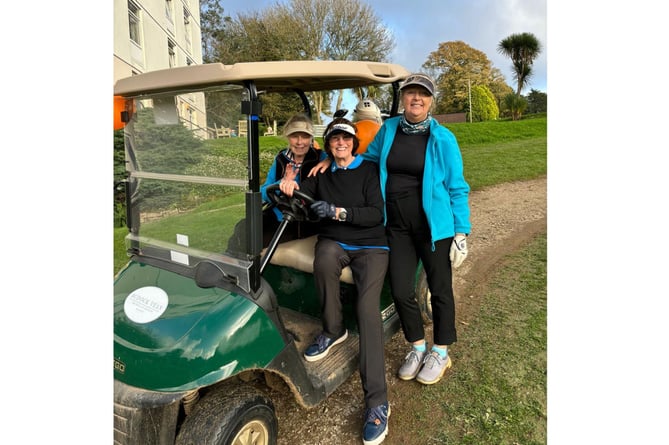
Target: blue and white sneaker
{"type": "Point", "coordinates": [376, 424]}
{"type": "Point", "coordinates": [322, 345]}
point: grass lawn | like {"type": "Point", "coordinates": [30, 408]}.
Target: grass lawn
{"type": "Point", "coordinates": [497, 392]}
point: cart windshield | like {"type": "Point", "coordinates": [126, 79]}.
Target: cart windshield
{"type": "Point", "coordinates": [192, 153]}
{"type": "Point", "coordinates": [187, 164]}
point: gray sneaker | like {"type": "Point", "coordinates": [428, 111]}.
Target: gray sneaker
{"type": "Point", "coordinates": [433, 368]}
{"type": "Point", "coordinates": [411, 364]}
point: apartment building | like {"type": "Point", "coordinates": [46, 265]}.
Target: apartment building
{"type": "Point", "coordinates": [152, 35]}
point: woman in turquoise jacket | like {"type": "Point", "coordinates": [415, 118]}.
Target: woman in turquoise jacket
{"type": "Point", "coordinates": [427, 219]}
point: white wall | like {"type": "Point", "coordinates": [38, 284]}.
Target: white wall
{"type": "Point", "coordinates": [155, 28]}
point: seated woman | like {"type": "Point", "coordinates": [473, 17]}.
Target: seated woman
{"type": "Point", "coordinates": [288, 165]}
{"type": "Point", "coordinates": [351, 233]}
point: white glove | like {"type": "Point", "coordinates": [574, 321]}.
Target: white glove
{"type": "Point", "coordinates": [458, 250]}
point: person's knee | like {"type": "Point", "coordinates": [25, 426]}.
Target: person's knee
{"type": "Point", "coordinates": [327, 252]}
{"type": "Point", "coordinates": [326, 264]}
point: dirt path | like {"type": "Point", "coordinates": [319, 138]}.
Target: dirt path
{"type": "Point", "coordinates": [504, 218]}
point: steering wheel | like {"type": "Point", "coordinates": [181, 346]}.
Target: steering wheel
{"type": "Point", "coordinates": [295, 208]}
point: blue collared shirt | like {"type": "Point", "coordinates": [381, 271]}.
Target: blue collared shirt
{"type": "Point", "coordinates": [357, 160]}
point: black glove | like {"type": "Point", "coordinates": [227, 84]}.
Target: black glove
{"type": "Point", "coordinates": [324, 209]}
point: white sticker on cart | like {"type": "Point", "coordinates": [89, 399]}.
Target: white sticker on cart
{"type": "Point", "coordinates": [179, 257]}
{"type": "Point", "coordinates": [145, 304]}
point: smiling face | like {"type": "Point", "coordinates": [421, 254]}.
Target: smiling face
{"type": "Point", "coordinates": [417, 102]}
{"type": "Point", "coordinates": [340, 145]}
{"type": "Point", "coordinates": [299, 143]}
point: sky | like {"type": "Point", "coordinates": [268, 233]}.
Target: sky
{"type": "Point", "coordinates": [419, 30]}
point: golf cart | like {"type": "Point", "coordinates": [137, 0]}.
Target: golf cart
{"type": "Point", "coordinates": [200, 330]}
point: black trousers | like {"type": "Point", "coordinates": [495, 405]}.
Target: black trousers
{"type": "Point", "coordinates": [409, 240]}
{"type": "Point", "coordinates": [369, 270]}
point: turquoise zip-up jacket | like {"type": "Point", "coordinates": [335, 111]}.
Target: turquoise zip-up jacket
{"type": "Point", "coordinates": [445, 191]}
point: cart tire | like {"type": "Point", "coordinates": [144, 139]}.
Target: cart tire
{"type": "Point", "coordinates": [424, 297]}
{"type": "Point", "coordinates": [242, 415]}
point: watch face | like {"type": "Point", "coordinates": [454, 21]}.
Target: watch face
{"type": "Point", "coordinates": [342, 215]}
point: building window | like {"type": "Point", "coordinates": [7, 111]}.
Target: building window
{"type": "Point", "coordinates": [171, 53]}
{"type": "Point", "coordinates": [169, 10]}
{"type": "Point", "coordinates": [133, 19]}
{"type": "Point", "coordinates": [187, 30]}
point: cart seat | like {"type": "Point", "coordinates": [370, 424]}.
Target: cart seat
{"type": "Point", "coordinates": [299, 254]}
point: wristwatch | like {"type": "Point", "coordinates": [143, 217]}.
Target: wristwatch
{"type": "Point", "coordinates": [342, 214]}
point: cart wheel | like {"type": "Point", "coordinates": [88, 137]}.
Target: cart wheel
{"type": "Point", "coordinates": [424, 297]}
{"type": "Point", "coordinates": [240, 415]}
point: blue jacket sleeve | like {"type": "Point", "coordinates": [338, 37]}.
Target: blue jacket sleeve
{"type": "Point", "coordinates": [456, 185]}
{"type": "Point", "coordinates": [271, 179]}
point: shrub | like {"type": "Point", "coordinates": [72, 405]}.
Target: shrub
{"type": "Point", "coordinates": [484, 105]}
{"type": "Point", "coordinates": [515, 105]}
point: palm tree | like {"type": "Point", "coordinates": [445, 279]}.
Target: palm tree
{"type": "Point", "coordinates": [522, 49]}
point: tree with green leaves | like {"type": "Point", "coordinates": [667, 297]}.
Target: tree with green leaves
{"type": "Point", "coordinates": [537, 102]}
{"type": "Point", "coordinates": [522, 49]}
{"type": "Point", "coordinates": [212, 22]}
{"type": "Point", "coordinates": [303, 30]}
{"type": "Point", "coordinates": [456, 67]}
{"type": "Point", "coordinates": [499, 88]}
